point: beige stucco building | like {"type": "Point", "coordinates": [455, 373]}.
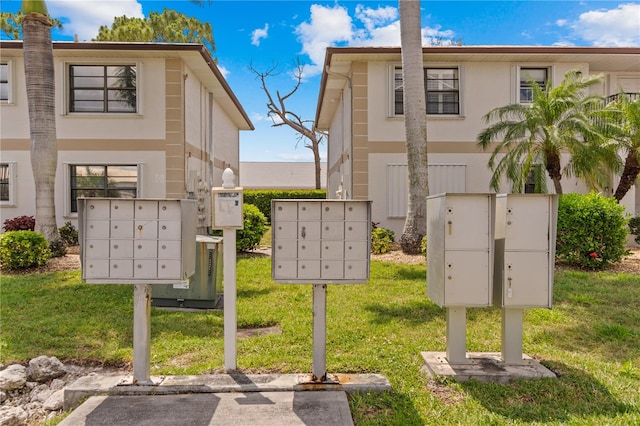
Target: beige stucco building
{"type": "Point", "coordinates": [141, 120]}
{"type": "Point", "coordinates": [360, 106]}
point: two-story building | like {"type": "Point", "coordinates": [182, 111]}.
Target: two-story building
{"type": "Point", "coordinates": [135, 120]}
{"type": "Point", "coordinates": [360, 106]}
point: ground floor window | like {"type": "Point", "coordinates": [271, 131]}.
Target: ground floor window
{"type": "Point", "coordinates": [7, 183]}
{"type": "Point", "coordinates": [97, 180]}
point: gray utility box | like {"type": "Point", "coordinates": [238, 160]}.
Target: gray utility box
{"type": "Point", "coordinates": [137, 241]}
{"type": "Point", "coordinates": [205, 285]}
{"type": "Point", "coordinates": [320, 241]}
{"type": "Point", "coordinates": [525, 250]}
{"type": "Point", "coordinates": [460, 249]}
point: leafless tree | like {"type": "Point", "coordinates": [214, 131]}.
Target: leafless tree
{"type": "Point", "coordinates": [281, 116]}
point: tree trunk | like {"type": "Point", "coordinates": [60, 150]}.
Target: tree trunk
{"type": "Point", "coordinates": [316, 161]}
{"type": "Point", "coordinates": [415, 118]}
{"type": "Point", "coordinates": [553, 169]}
{"type": "Point", "coordinates": [38, 69]}
{"type": "Point", "coordinates": [629, 174]}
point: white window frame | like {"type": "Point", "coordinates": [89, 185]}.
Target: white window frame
{"type": "Point", "coordinates": [394, 68]}
{"type": "Point", "coordinates": [67, 180]}
{"type": "Point", "coordinates": [67, 88]}
{"type": "Point", "coordinates": [518, 82]}
{"type": "Point", "coordinates": [11, 172]}
{"type": "Point", "coordinates": [10, 83]}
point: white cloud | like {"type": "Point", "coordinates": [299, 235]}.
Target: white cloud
{"type": "Point", "coordinates": [332, 26]}
{"type": "Point", "coordinates": [561, 22]}
{"type": "Point", "coordinates": [224, 71]}
{"type": "Point", "coordinates": [258, 34]}
{"type": "Point", "coordinates": [610, 27]}
{"type": "Point", "coordinates": [84, 18]}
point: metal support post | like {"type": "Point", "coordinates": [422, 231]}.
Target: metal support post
{"type": "Point", "coordinates": [229, 280]}
{"type": "Point", "coordinates": [512, 336]}
{"type": "Point", "coordinates": [319, 332]}
{"type": "Point", "coordinates": [457, 335]}
{"type": "Point", "coordinates": [142, 334]}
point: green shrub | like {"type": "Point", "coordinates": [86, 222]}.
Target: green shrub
{"type": "Point", "coordinates": [23, 249]}
{"type": "Point", "coordinates": [69, 234]}
{"type": "Point", "coordinates": [58, 248]}
{"type": "Point", "coordinates": [262, 198]}
{"type": "Point", "coordinates": [381, 240]}
{"type": "Point", "coordinates": [592, 231]}
{"type": "Point", "coordinates": [423, 245]}
{"type": "Point", "coordinates": [20, 223]}
{"type": "Point", "coordinates": [634, 228]}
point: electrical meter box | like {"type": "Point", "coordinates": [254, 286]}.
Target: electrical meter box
{"type": "Point", "coordinates": [320, 241]}
{"type": "Point", "coordinates": [460, 248]}
{"type": "Point", "coordinates": [227, 208]}
{"type": "Point", "coordinates": [137, 241]}
{"type": "Point", "coordinates": [525, 233]}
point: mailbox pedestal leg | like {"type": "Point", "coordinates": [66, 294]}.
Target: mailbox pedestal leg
{"type": "Point", "coordinates": [229, 280]}
{"type": "Point", "coordinates": [142, 334]}
{"type": "Point", "coordinates": [457, 335]}
{"type": "Point", "coordinates": [512, 336]}
{"type": "Point", "coordinates": [319, 332]}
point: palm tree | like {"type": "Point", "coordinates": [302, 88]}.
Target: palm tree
{"type": "Point", "coordinates": [626, 116]}
{"type": "Point", "coordinates": [559, 119]}
{"type": "Point", "coordinates": [415, 119]}
{"type": "Point", "coordinates": [38, 69]}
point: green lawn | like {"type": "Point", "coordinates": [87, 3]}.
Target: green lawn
{"type": "Point", "coordinates": [591, 339]}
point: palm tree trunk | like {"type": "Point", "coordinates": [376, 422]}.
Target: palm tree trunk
{"type": "Point", "coordinates": [39, 77]}
{"type": "Point", "coordinates": [629, 174]}
{"type": "Point", "coordinates": [415, 118]}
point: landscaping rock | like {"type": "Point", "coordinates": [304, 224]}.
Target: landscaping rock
{"type": "Point", "coordinates": [13, 416]}
{"type": "Point", "coordinates": [44, 368]}
{"type": "Point", "coordinates": [13, 377]}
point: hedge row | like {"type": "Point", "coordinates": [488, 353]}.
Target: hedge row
{"type": "Point", "coordinates": [261, 198]}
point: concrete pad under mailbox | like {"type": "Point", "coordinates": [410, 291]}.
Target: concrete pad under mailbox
{"type": "Point", "coordinates": [484, 367]}
{"type": "Point", "coordinates": [239, 409]}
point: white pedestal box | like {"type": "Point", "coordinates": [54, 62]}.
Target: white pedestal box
{"type": "Point", "coordinates": [460, 245]}
{"type": "Point", "coordinates": [525, 250]}
{"type": "Point", "coordinates": [130, 241]}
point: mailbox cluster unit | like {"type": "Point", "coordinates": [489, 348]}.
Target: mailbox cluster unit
{"type": "Point", "coordinates": [137, 240]}
{"type": "Point", "coordinates": [488, 249]}
{"type": "Point", "coordinates": [318, 242]}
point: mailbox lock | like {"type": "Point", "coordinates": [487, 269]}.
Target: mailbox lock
{"type": "Point", "coordinates": [115, 207]}
{"type": "Point", "coordinates": [139, 227]}
{"type": "Point", "coordinates": [164, 207]}
{"type": "Point", "coordinates": [303, 232]}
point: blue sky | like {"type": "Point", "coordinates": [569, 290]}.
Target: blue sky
{"type": "Point", "coordinates": [267, 33]}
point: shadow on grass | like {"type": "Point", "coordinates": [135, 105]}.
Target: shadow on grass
{"type": "Point", "coordinates": [379, 407]}
{"type": "Point", "coordinates": [412, 312]}
{"type": "Point", "coordinates": [573, 394]}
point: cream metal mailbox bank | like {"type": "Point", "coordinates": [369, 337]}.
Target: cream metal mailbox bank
{"type": "Point", "coordinates": [150, 241]}
{"type": "Point", "coordinates": [318, 242]}
{"type": "Point", "coordinates": [525, 250]}
{"type": "Point", "coordinates": [460, 249]}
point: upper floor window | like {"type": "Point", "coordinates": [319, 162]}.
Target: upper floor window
{"type": "Point", "coordinates": [527, 77]}
{"type": "Point", "coordinates": [442, 91]}
{"type": "Point", "coordinates": [5, 83]}
{"type": "Point", "coordinates": [102, 88]}
{"type": "Point", "coordinates": [115, 181]}
{"type": "Point", "coordinates": [7, 183]}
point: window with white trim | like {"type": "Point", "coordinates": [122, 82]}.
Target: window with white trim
{"type": "Point", "coordinates": [527, 78]}
{"type": "Point", "coordinates": [442, 91]}
{"type": "Point", "coordinates": [7, 184]}
{"type": "Point", "coordinates": [102, 180]}
{"type": "Point", "coordinates": [103, 89]}
{"type": "Point", "coordinates": [5, 82]}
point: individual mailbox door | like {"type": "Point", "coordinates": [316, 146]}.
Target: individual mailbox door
{"type": "Point", "coordinates": [145, 268]}
{"type": "Point", "coordinates": [467, 222]}
{"type": "Point", "coordinates": [332, 211]}
{"type": "Point", "coordinates": [308, 269]}
{"type": "Point", "coordinates": [98, 209]}
{"type": "Point", "coordinates": [98, 228]}
{"type": "Point", "coordinates": [121, 249]}
{"type": "Point", "coordinates": [332, 230]}
{"type": "Point", "coordinates": [526, 278]}
{"type": "Point", "coordinates": [121, 229]}
{"type": "Point", "coordinates": [333, 250]}
{"type": "Point", "coordinates": [466, 279]}
{"type": "Point", "coordinates": [287, 230]}
{"type": "Point", "coordinates": [97, 249]}
{"type": "Point", "coordinates": [308, 230]}
{"type": "Point", "coordinates": [121, 209]}
{"type": "Point", "coordinates": [146, 209]}
{"type": "Point", "coordinates": [285, 212]}
{"type": "Point", "coordinates": [146, 249]}
{"type": "Point", "coordinates": [308, 249]}
{"type": "Point", "coordinates": [283, 269]}
{"type": "Point", "coordinates": [527, 222]}
{"type": "Point", "coordinates": [309, 211]}
{"type": "Point", "coordinates": [146, 230]}
{"type": "Point", "coordinates": [169, 249]}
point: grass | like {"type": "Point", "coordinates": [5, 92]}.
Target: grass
{"type": "Point", "coordinates": [591, 339]}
